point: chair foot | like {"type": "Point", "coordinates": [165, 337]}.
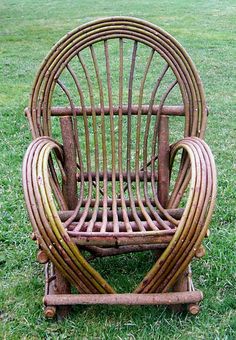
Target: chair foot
{"type": "Point", "coordinates": [185, 284]}
{"type": "Point", "coordinates": [62, 286]}
{"type": "Point", "coordinates": [56, 284]}
{"type": "Point", "coordinates": [63, 312]}
{"type": "Point", "coordinates": [50, 312]}
{"type": "Point", "coordinates": [181, 285]}
{"type": "Point", "coordinates": [193, 308]}
{"type": "Point", "coordinates": [177, 308]}
{"type": "Point", "coordinates": [59, 312]}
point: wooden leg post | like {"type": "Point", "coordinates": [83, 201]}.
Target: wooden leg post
{"type": "Point", "coordinates": [181, 285]}
{"type": "Point", "coordinates": [70, 167]}
{"type": "Point", "coordinates": [55, 284]}
{"type": "Point", "coordinates": [49, 310]}
{"type": "Point", "coordinates": [163, 165]}
{"type": "Point", "coordinates": [185, 284]}
{"type": "Point", "coordinates": [163, 161]}
{"type": "Point", "coordinates": [61, 284]}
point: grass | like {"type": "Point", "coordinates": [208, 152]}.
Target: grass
{"type": "Point", "coordinates": [27, 32]}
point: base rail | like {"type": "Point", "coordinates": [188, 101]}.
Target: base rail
{"type": "Point", "coordinates": [172, 298]}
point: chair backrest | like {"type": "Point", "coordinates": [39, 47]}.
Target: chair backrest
{"type": "Point", "coordinates": [117, 79]}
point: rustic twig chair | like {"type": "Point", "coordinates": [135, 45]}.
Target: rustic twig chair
{"type": "Point", "coordinates": [106, 174]}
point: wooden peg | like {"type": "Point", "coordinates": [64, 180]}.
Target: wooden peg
{"type": "Point", "coordinates": [50, 312]}
{"type": "Point", "coordinates": [193, 308]}
{"type": "Point", "coordinates": [33, 236]}
{"type": "Point", "coordinates": [200, 252]}
{"type": "Point", "coordinates": [42, 257]}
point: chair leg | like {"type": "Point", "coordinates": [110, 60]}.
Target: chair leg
{"type": "Point", "coordinates": [55, 284]}
{"type": "Point", "coordinates": [184, 284]}
{"type": "Point", "coordinates": [62, 286]}
{"type": "Point", "coordinates": [181, 285]}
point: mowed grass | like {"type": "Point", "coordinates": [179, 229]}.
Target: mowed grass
{"type": "Point", "coordinates": [27, 31]}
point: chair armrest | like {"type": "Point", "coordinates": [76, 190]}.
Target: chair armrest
{"type": "Point", "coordinates": [198, 166]}
{"type": "Point", "coordinates": [40, 189]}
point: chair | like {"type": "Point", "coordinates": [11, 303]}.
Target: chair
{"type": "Point", "coordinates": [118, 164]}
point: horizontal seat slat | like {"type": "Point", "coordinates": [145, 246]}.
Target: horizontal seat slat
{"type": "Point", "coordinates": [122, 228]}
{"type": "Point", "coordinates": [123, 238]}
{"type": "Point", "coordinates": [64, 215]}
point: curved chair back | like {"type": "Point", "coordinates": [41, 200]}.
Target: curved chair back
{"type": "Point", "coordinates": [116, 81]}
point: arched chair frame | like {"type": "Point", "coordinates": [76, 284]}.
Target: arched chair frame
{"type": "Point", "coordinates": [88, 188]}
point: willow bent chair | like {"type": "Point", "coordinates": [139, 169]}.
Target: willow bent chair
{"type": "Point", "coordinates": [118, 163]}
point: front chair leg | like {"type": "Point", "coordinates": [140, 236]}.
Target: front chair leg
{"type": "Point", "coordinates": [181, 285]}
{"type": "Point", "coordinates": [62, 286]}
{"type": "Point", "coordinates": [55, 284]}
{"type": "Point", "coordinates": [184, 284]}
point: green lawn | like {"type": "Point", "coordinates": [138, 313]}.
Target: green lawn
{"type": "Point", "coordinates": [28, 30]}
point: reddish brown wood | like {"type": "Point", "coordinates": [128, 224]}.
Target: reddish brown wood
{"type": "Point", "coordinates": [102, 252]}
{"type": "Point", "coordinates": [124, 299]}
{"type": "Point", "coordinates": [115, 151]}
{"type": "Point", "coordinates": [42, 257]}
{"type": "Point", "coordinates": [163, 161]}
{"type": "Point", "coordinates": [193, 308]}
{"type": "Point", "coordinates": [62, 286]}
{"type": "Point", "coordinates": [49, 311]}
{"type": "Point", "coordinates": [122, 231]}
{"type": "Point", "coordinates": [132, 176]}
{"type": "Point", "coordinates": [69, 185]}
{"type": "Point", "coordinates": [200, 252]}
{"type": "Point", "coordinates": [112, 239]}
{"type": "Point", "coordinates": [33, 236]}
{"type": "Point", "coordinates": [65, 214]}
{"type": "Point", "coordinates": [181, 285]}
{"type": "Point", "coordinates": [166, 110]}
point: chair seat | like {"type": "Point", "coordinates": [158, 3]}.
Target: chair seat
{"type": "Point", "coordinates": [102, 227]}
{"type": "Point", "coordinates": [115, 239]}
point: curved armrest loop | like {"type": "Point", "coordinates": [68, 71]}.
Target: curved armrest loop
{"type": "Point", "coordinates": [53, 238]}
{"type": "Point", "coordinates": [199, 166]}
